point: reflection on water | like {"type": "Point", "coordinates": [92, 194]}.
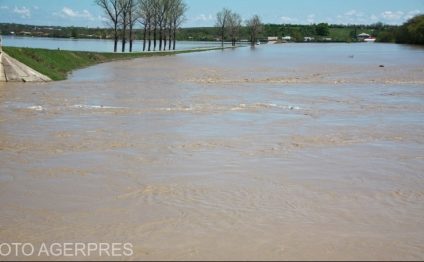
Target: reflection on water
{"type": "Point", "coordinates": [93, 45]}
{"type": "Point", "coordinates": [284, 152]}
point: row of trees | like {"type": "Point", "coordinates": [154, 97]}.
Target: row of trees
{"type": "Point", "coordinates": [229, 25]}
{"type": "Point", "coordinates": [159, 19]}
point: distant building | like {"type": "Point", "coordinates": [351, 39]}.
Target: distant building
{"type": "Point", "coordinates": [272, 38]}
{"type": "Point", "coordinates": [363, 36]}
{"type": "Point", "coordinates": [308, 39]}
{"type": "Point", "coordinates": [327, 39]}
{"type": "Point", "coordinates": [287, 38]}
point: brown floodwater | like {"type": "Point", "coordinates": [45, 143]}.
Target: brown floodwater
{"type": "Point", "coordinates": [283, 152]}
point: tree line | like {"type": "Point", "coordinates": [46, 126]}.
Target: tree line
{"type": "Point", "coordinates": [159, 19]}
{"type": "Point", "coordinates": [229, 26]}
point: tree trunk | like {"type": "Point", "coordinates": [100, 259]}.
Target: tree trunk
{"type": "Point", "coordinates": [131, 31]}
{"type": "Point", "coordinates": [154, 38]}
{"type": "Point", "coordinates": [144, 37]}
{"type": "Point", "coordinates": [170, 36]}
{"type": "Point", "coordinates": [175, 34]}
{"type": "Point", "coordinates": [150, 38]}
{"type": "Point", "coordinates": [124, 35]}
{"type": "Point", "coordinates": [164, 40]}
{"type": "Point", "coordinates": [131, 39]}
{"type": "Point", "coordinates": [160, 36]}
{"type": "Point", "coordinates": [222, 36]}
{"type": "Point", "coordinates": [115, 46]}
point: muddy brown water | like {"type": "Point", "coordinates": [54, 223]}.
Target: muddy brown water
{"type": "Point", "coordinates": [278, 153]}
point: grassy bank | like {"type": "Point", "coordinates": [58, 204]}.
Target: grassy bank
{"type": "Point", "coordinates": [57, 64]}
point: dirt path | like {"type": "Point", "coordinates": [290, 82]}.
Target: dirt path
{"type": "Point", "coordinates": [11, 70]}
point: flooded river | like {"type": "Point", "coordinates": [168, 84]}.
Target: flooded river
{"type": "Point", "coordinates": [297, 151]}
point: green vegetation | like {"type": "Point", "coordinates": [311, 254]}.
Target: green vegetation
{"type": "Point", "coordinates": [412, 32]}
{"type": "Point", "coordinates": [322, 29]}
{"type": "Point", "coordinates": [320, 32]}
{"type": "Point", "coordinates": [56, 64]}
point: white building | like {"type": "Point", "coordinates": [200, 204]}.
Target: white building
{"type": "Point", "coordinates": [287, 38]}
{"type": "Point", "coordinates": [363, 36]}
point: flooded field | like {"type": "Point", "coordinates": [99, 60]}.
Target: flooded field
{"type": "Point", "coordinates": [283, 152]}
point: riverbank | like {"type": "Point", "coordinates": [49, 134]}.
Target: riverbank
{"type": "Point", "coordinates": [57, 64]}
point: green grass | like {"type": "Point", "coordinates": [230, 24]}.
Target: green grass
{"type": "Point", "coordinates": [57, 64]}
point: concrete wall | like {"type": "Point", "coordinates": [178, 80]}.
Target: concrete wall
{"type": "Point", "coordinates": [2, 75]}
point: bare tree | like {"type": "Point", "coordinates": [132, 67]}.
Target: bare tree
{"type": "Point", "coordinates": [162, 15]}
{"type": "Point", "coordinates": [178, 17]}
{"type": "Point", "coordinates": [234, 25]}
{"type": "Point", "coordinates": [133, 16]}
{"type": "Point", "coordinates": [123, 20]}
{"type": "Point", "coordinates": [222, 18]}
{"type": "Point", "coordinates": [145, 14]}
{"type": "Point", "coordinates": [160, 20]}
{"type": "Point", "coordinates": [254, 25]}
{"type": "Point", "coordinates": [113, 12]}
{"type": "Point", "coordinates": [167, 25]}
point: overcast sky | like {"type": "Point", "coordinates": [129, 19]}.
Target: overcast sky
{"type": "Point", "coordinates": [202, 12]}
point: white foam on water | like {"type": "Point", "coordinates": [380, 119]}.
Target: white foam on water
{"type": "Point", "coordinates": [96, 107]}
{"type": "Point", "coordinates": [264, 106]}
{"type": "Point", "coordinates": [36, 108]}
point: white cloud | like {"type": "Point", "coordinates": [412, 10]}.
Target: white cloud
{"type": "Point", "coordinates": [24, 12]}
{"type": "Point", "coordinates": [374, 17]}
{"type": "Point", "coordinates": [287, 20]}
{"type": "Point", "coordinates": [412, 13]}
{"type": "Point", "coordinates": [102, 18]}
{"type": "Point", "coordinates": [390, 15]}
{"type": "Point", "coordinates": [354, 13]}
{"type": "Point", "coordinates": [4, 7]}
{"type": "Point", "coordinates": [311, 18]}
{"type": "Point", "coordinates": [67, 12]}
{"type": "Point", "coordinates": [204, 18]}
{"type": "Point", "coordinates": [350, 13]}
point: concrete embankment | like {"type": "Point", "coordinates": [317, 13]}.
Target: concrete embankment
{"type": "Point", "coordinates": [2, 75]}
{"type": "Point", "coordinates": [11, 70]}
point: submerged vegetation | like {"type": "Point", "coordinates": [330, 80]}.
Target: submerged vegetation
{"type": "Point", "coordinates": [57, 64]}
